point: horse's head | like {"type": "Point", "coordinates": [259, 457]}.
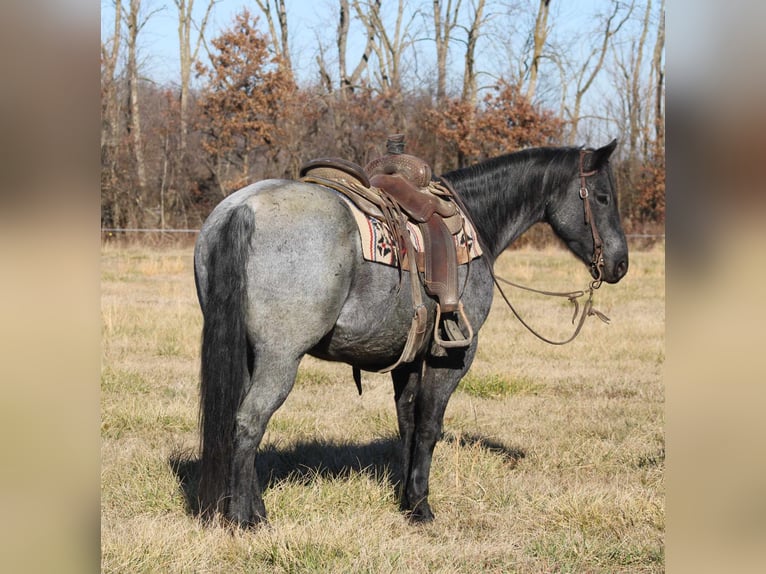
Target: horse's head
{"type": "Point", "coordinates": [585, 215]}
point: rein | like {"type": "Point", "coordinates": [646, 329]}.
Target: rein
{"type": "Point", "coordinates": [597, 262]}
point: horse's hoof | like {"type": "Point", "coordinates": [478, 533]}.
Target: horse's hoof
{"type": "Point", "coordinates": [420, 515]}
{"type": "Point", "coordinates": [252, 522]}
{"type": "Point", "coordinates": [246, 525]}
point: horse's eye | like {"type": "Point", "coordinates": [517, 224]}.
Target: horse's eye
{"type": "Point", "coordinates": [602, 198]}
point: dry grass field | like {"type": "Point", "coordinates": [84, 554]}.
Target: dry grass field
{"type": "Point", "coordinates": [552, 458]}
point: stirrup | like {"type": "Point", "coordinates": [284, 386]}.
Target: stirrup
{"type": "Point", "coordinates": [456, 338]}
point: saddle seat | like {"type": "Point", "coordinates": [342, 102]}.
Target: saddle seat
{"type": "Point", "coordinates": [371, 194]}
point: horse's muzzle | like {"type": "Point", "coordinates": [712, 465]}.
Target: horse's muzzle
{"type": "Point", "coordinates": [613, 273]}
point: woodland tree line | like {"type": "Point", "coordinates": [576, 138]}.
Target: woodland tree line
{"type": "Point", "coordinates": [169, 153]}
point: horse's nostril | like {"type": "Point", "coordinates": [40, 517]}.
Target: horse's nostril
{"type": "Point", "coordinates": [621, 268]}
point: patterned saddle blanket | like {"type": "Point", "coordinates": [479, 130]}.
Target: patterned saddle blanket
{"type": "Point", "coordinates": [379, 245]}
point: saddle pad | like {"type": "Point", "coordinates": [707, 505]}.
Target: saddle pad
{"type": "Point", "coordinates": [378, 241]}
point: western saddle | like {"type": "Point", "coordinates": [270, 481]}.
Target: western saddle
{"type": "Point", "coordinates": [395, 189]}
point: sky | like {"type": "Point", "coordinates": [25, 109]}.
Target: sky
{"type": "Point", "coordinates": [158, 40]}
{"type": "Point", "coordinates": [310, 21]}
{"type": "Point", "coordinates": [575, 28]}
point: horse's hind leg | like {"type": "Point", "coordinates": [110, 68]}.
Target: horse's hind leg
{"type": "Point", "coordinates": [272, 379]}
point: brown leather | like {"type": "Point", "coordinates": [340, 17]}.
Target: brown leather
{"type": "Point", "coordinates": [410, 167]}
{"type": "Point", "coordinates": [418, 205]}
{"type": "Point", "coordinates": [364, 198]}
{"type": "Point", "coordinates": [348, 167]}
{"type": "Point", "coordinates": [441, 264]}
{"type": "Point", "coordinates": [440, 255]}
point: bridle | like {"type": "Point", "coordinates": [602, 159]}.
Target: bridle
{"type": "Point", "coordinates": [597, 262]}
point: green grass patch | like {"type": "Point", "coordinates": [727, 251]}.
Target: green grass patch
{"type": "Point", "coordinates": [119, 422]}
{"type": "Point", "coordinates": [307, 556]}
{"type": "Point", "coordinates": [496, 386]}
{"type": "Point", "coordinates": [114, 380]}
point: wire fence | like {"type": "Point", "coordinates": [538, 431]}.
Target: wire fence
{"type": "Point", "coordinates": [109, 230]}
{"type": "Point", "coordinates": [644, 239]}
{"type": "Point", "coordinates": [145, 230]}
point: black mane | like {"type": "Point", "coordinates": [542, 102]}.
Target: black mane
{"type": "Point", "coordinates": [527, 180]}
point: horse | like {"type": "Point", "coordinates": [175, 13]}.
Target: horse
{"type": "Point", "coordinates": [279, 275]}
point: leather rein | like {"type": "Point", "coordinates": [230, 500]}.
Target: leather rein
{"type": "Point", "coordinates": [597, 262]}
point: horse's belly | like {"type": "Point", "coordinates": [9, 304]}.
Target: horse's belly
{"type": "Point", "coordinates": [373, 324]}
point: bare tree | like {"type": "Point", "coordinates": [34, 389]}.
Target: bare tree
{"type": "Point", "coordinates": [344, 17]}
{"type": "Point", "coordinates": [134, 25]}
{"type": "Point", "coordinates": [636, 110]}
{"type": "Point", "coordinates": [351, 81]}
{"type": "Point", "coordinates": [110, 109]}
{"type": "Point", "coordinates": [636, 129]}
{"type": "Point", "coordinates": [445, 22]}
{"type": "Point", "coordinates": [280, 40]}
{"type": "Point", "coordinates": [588, 71]}
{"type": "Point", "coordinates": [390, 45]}
{"type": "Point", "coordinates": [540, 35]}
{"type": "Point", "coordinates": [469, 72]}
{"type": "Point", "coordinates": [188, 57]}
{"type": "Point", "coordinates": [110, 52]}
{"type": "Point", "coordinates": [658, 68]}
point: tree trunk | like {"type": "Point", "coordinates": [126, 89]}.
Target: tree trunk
{"type": "Point", "coordinates": [279, 39]}
{"type": "Point", "coordinates": [350, 82]}
{"type": "Point", "coordinates": [187, 59]}
{"type": "Point", "coordinates": [540, 37]}
{"type": "Point", "coordinates": [443, 26]}
{"type": "Point", "coordinates": [110, 121]}
{"type": "Point", "coordinates": [134, 122]}
{"type": "Point", "coordinates": [362, 65]}
{"type": "Point", "coordinates": [343, 23]}
{"type": "Point", "coordinates": [469, 73]}
{"type": "Point", "coordinates": [636, 128]}
{"type": "Point", "coordinates": [284, 35]}
{"type": "Point", "coordinates": [659, 85]}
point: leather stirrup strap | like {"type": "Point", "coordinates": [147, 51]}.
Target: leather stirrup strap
{"type": "Point", "coordinates": [440, 264]}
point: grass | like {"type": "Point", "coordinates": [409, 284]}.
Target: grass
{"type": "Point", "coordinates": [552, 458]}
{"type": "Point", "coordinates": [495, 386]}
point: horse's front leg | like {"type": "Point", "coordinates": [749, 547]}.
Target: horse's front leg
{"type": "Point", "coordinates": [440, 379]}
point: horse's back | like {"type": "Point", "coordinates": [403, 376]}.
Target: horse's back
{"type": "Point", "coordinates": [303, 252]}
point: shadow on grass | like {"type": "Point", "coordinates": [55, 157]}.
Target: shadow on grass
{"type": "Point", "coordinates": [301, 463]}
{"type": "Point", "coordinates": [511, 455]}
{"type": "Point", "coordinates": [306, 461]}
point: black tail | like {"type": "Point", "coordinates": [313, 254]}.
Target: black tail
{"type": "Point", "coordinates": [224, 356]}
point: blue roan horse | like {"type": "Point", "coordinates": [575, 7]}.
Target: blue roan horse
{"type": "Point", "coordinates": [280, 274]}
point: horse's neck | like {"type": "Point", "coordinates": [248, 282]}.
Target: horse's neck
{"type": "Point", "coordinates": [503, 200]}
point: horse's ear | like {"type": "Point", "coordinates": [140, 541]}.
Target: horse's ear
{"type": "Point", "coordinates": [599, 157]}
